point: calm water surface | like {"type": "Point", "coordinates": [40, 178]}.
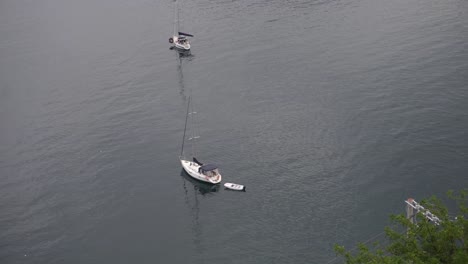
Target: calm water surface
{"type": "Point", "coordinates": [330, 112]}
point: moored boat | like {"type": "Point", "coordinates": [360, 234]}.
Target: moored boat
{"type": "Point", "coordinates": [179, 40]}
{"type": "Point", "coordinates": [197, 170]}
{"type": "Point", "coordinates": [233, 186]}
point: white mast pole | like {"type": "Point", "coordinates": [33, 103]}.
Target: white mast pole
{"type": "Point", "coordinates": [185, 127]}
{"type": "Point", "coordinates": [176, 19]}
{"type": "Point", "coordinates": [194, 136]}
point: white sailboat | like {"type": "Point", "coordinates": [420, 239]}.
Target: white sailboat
{"type": "Point", "coordinates": [197, 170]}
{"type": "Point", "coordinates": [179, 40]}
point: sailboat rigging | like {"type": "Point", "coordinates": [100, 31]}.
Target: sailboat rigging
{"type": "Point", "coordinates": [179, 39]}
{"type": "Point", "coordinates": [202, 172]}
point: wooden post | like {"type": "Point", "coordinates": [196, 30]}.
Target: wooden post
{"type": "Point", "coordinates": [410, 211]}
{"type": "Point", "coordinates": [412, 208]}
{"type": "Point", "coordinates": [410, 215]}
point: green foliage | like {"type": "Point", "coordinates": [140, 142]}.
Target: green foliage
{"type": "Point", "coordinates": [423, 242]}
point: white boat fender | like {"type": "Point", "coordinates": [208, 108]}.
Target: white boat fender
{"type": "Point", "coordinates": [235, 187]}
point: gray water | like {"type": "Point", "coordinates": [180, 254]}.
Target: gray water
{"type": "Point", "coordinates": [330, 112]}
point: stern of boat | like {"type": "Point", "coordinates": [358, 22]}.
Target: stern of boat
{"type": "Point", "coordinates": [215, 179]}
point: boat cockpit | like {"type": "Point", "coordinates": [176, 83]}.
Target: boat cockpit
{"type": "Point", "coordinates": [209, 170]}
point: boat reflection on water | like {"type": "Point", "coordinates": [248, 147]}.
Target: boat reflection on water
{"type": "Point", "coordinates": [182, 53]}
{"type": "Point", "coordinates": [182, 56]}
{"type": "Point", "coordinates": [200, 187]}
{"type": "Point", "coordinates": [193, 204]}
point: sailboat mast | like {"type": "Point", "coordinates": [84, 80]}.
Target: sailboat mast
{"type": "Point", "coordinates": [185, 127]}
{"type": "Point", "coordinates": [176, 19]}
{"type": "Point", "coordinates": [193, 136]}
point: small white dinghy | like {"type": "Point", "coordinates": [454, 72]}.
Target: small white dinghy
{"type": "Point", "coordinates": [235, 187]}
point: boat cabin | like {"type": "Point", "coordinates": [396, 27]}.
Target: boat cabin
{"type": "Point", "coordinates": [209, 170]}
{"type": "Point", "coordinates": [182, 40]}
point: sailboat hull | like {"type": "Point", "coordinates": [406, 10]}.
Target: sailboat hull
{"type": "Point", "coordinates": [182, 47]}
{"type": "Point", "coordinates": [192, 169]}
